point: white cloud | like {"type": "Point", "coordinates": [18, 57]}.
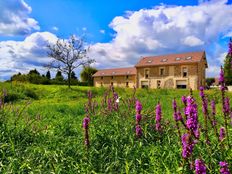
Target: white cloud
{"type": "Point", "coordinates": [21, 56]}
{"type": "Point", "coordinates": [55, 28]}
{"type": "Point", "coordinates": [102, 31]}
{"type": "Point", "coordinates": [14, 18]}
{"type": "Point", "coordinates": [192, 41]}
{"type": "Point", "coordinates": [165, 29]}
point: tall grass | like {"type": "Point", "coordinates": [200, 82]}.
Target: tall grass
{"type": "Point", "coordinates": [47, 135]}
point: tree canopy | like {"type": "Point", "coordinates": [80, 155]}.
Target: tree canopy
{"type": "Point", "coordinates": [68, 55]}
{"type": "Point", "coordinates": [228, 65]}
{"type": "Point", "coordinates": [87, 74]}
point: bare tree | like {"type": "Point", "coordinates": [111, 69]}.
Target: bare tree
{"type": "Point", "coordinates": [68, 55]}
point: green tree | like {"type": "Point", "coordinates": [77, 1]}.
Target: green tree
{"type": "Point", "coordinates": [73, 75]}
{"type": "Point", "coordinates": [34, 71]}
{"type": "Point", "coordinates": [59, 76]}
{"type": "Point", "coordinates": [228, 65]}
{"type": "Point", "coordinates": [68, 55]}
{"type": "Point", "coordinates": [87, 74]}
{"type": "Point", "coordinates": [210, 81]}
{"type": "Point", "coordinates": [48, 75]}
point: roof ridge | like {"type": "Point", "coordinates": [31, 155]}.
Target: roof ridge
{"type": "Point", "coordinates": [159, 55]}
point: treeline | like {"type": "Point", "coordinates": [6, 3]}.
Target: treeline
{"type": "Point", "coordinates": [35, 77]}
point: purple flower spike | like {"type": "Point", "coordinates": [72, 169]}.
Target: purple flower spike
{"type": "Point", "coordinates": [221, 77]}
{"type": "Point", "coordinates": [224, 167]}
{"type": "Point", "coordinates": [158, 117]}
{"type": "Point", "coordinates": [202, 91]}
{"type": "Point", "coordinates": [227, 106]}
{"type": "Point", "coordinates": [222, 133]}
{"type": "Point", "coordinates": [213, 107]}
{"type": "Point", "coordinates": [187, 146]}
{"type": "Point", "coordinates": [138, 117]}
{"type": "Point", "coordinates": [138, 106]}
{"type": "Point", "coordinates": [184, 99]}
{"type": "Point", "coordinates": [174, 105]}
{"type": "Point", "coordinates": [200, 167]}
{"type": "Point", "coordinates": [138, 131]}
{"type": "Point", "coordinates": [179, 116]}
{"type": "Point", "coordinates": [86, 121]}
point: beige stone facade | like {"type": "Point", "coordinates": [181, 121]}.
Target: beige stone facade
{"type": "Point", "coordinates": [186, 70]}
{"type": "Point", "coordinates": [118, 77]}
{"type": "Point", "coordinates": [171, 76]}
{"type": "Point", "coordinates": [118, 81]}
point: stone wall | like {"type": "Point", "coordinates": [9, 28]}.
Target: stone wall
{"type": "Point", "coordinates": [118, 81]}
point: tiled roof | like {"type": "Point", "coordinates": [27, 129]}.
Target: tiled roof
{"type": "Point", "coordinates": [115, 72]}
{"type": "Point", "coordinates": [171, 59]}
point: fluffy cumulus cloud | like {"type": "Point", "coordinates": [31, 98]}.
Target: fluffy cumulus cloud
{"type": "Point", "coordinates": [166, 29]}
{"type": "Point", "coordinates": [21, 56]}
{"type": "Point", "coordinates": [14, 18]}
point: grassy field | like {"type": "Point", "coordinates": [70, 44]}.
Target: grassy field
{"type": "Point", "coordinates": [41, 132]}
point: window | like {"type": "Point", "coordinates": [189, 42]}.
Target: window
{"type": "Point", "coordinates": [127, 84]}
{"type": "Point", "coordinates": [146, 74]}
{"type": "Point", "coordinates": [184, 72]}
{"type": "Point", "coordinates": [112, 84]}
{"type": "Point", "coordinates": [161, 71]}
{"type": "Point", "coordinates": [188, 58]}
{"type": "Point", "coordinates": [178, 58]}
{"type": "Point", "coordinates": [101, 77]}
{"type": "Point", "coordinates": [112, 77]}
{"type": "Point", "coordinates": [164, 60]}
{"type": "Point", "coordinates": [158, 83]}
{"type": "Point", "coordinates": [127, 77]}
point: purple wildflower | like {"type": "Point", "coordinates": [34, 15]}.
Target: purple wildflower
{"type": "Point", "coordinates": [222, 133]}
{"type": "Point", "coordinates": [86, 121]}
{"type": "Point", "coordinates": [115, 101]}
{"type": "Point", "coordinates": [138, 106]}
{"type": "Point", "coordinates": [202, 91]}
{"type": "Point", "coordinates": [179, 116]}
{"type": "Point", "coordinates": [224, 167]}
{"type": "Point", "coordinates": [227, 106]}
{"type": "Point", "coordinates": [221, 77]}
{"type": "Point", "coordinates": [213, 107]}
{"type": "Point", "coordinates": [85, 124]}
{"type": "Point", "coordinates": [192, 115]}
{"type": "Point", "coordinates": [138, 118]}
{"type": "Point", "coordinates": [200, 167]}
{"type": "Point", "coordinates": [138, 130]}
{"type": "Point", "coordinates": [158, 117]}
{"type": "Point", "coordinates": [184, 100]}
{"type": "Point", "coordinates": [174, 105]}
{"type": "Point", "coordinates": [187, 146]}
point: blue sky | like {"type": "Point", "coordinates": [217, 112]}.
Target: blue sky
{"type": "Point", "coordinates": [118, 32]}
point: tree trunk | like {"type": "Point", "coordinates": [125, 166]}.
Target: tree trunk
{"type": "Point", "coordinates": [69, 79]}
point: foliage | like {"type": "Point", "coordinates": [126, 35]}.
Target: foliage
{"type": "Point", "coordinates": [47, 135]}
{"type": "Point", "coordinates": [210, 81]}
{"type": "Point", "coordinates": [87, 75]}
{"type": "Point", "coordinates": [48, 75]}
{"type": "Point", "coordinates": [68, 55]}
{"type": "Point", "coordinates": [228, 65]}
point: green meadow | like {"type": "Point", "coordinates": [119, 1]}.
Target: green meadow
{"type": "Point", "coordinates": [41, 132]}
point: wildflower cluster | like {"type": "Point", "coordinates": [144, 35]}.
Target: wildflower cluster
{"type": "Point", "coordinates": [138, 117]}
{"type": "Point", "coordinates": [158, 117]}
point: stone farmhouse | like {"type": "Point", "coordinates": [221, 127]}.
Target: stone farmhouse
{"type": "Point", "coordinates": [184, 70]}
